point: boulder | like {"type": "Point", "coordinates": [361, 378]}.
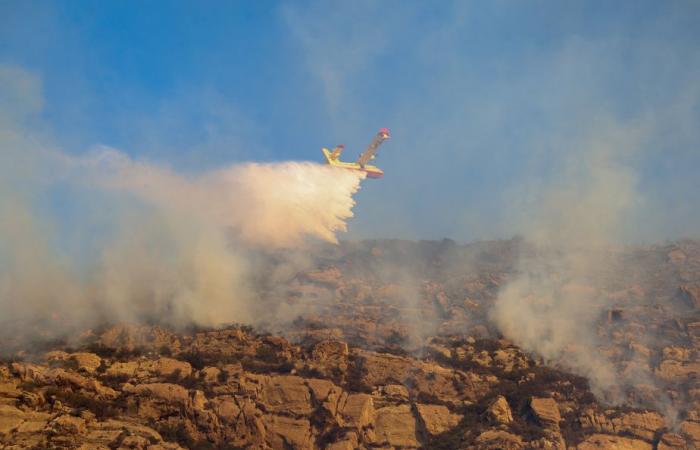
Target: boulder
{"type": "Point", "coordinates": [227, 409]}
{"type": "Point", "coordinates": [377, 369]}
{"type": "Point", "coordinates": [325, 393]}
{"type": "Point", "coordinates": [640, 424]}
{"type": "Point", "coordinates": [123, 369]}
{"type": "Point", "coordinates": [499, 411]}
{"type": "Point", "coordinates": [10, 419]}
{"type": "Point", "coordinates": [691, 431]}
{"type": "Point", "coordinates": [396, 392]}
{"type": "Point", "coordinates": [210, 375]}
{"type": "Point", "coordinates": [435, 381]}
{"type": "Point", "coordinates": [286, 394]}
{"type": "Point", "coordinates": [166, 392]}
{"type": "Point", "coordinates": [347, 442]}
{"type": "Point", "coordinates": [440, 351]}
{"type": "Point", "coordinates": [356, 411]}
{"type": "Point", "coordinates": [609, 442]}
{"type": "Point", "coordinates": [395, 426]}
{"type": "Point", "coordinates": [9, 390]}
{"type": "Point", "coordinates": [546, 411]}
{"type": "Point", "coordinates": [67, 424]}
{"type": "Point", "coordinates": [286, 432]}
{"type": "Point", "coordinates": [497, 440]}
{"type": "Point", "coordinates": [436, 419]}
{"type": "Point", "coordinates": [168, 367]}
{"type": "Point", "coordinates": [672, 370]}
{"type": "Point", "coordinates": [671, 441]}
{"type": "Point", "coordinates": [87, 362]}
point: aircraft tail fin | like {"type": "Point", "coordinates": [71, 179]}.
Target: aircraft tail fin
{"type": "Point", "coordinates": [335, 154]}
{"type": "Point", "coordinates": [332, 156]}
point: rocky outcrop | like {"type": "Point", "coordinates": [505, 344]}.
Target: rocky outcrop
{"type": "Point", "coordinates": [365, 368]}
{"type": "Point", "coordinates": [395, 426]}
{"type": "Point", "coordinates": [546, 411]}
{"type": "Point", "coordinates": [609, 442]}
{"type": "Point", "coordinates": [436, 419]}
{"type": "Point", "coordinates": [499, 411]}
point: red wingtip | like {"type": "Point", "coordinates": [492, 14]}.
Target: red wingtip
{"type": "Point", "coordinates": [384, 131]}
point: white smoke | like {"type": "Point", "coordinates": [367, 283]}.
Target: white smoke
{"type": "Point", "coordinates": [551, 306]}
{"type": "Point", "coordinates": [85, 239]}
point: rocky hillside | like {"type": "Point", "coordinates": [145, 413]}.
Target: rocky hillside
{"type": "Point", "coordinates": [384, 345]}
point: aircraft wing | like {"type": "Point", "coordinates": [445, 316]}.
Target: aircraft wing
{"type": "Point", "coordinates": [371, 149]}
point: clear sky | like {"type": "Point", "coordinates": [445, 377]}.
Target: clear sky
{"type": "Point", "coordinates": [489, 102]}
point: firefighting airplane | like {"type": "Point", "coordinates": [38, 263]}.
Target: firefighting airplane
{"type": "Point", "coordinates": [332, 157]}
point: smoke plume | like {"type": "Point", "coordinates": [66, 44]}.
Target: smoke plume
{"type": "Point", "coordinates": [561, 290]}
{"type": "Point", "coordinates": [85, 239]}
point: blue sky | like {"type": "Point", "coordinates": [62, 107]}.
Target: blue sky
{"type": "Point", "coordinates": [489, 103]}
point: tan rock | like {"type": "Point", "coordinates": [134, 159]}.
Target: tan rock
{"type": "Point", "coordinates": [330, 349]}
{"type": "Point", "coordinates": [499, 410]}
{"type": "Point", "coordinates": [483, 359]}
{"type": "Point", "coordinates": [671, 441]}
{"type": "Point", "coordinates": [498, 440]}
{"type": "Point", "coordinates": [676, 353]}
{"type": "Point", "coordinates": [286, 432]}
{"type": "Point", "coordinates": [437, 419]}
{"type": "Point", "coordinates": [347, 442]}
{"type": "Point", "coordinates": [396, 426]}
{"type": "Point", "coordinates": [67, 424]}
{"type": "Point", "coordinates": [395, 391]}
{"type": "Point", "coordinates": [671, 370]}
{"type": "Point", "coordinates": [123, 369]}
{"type": "Point", "coordinates": [88, 362]}
{"type": "Point", "coordinates": [56, 355]}
{"type": "Point", "coordinates": [108, 432]}
{"type": "Point", "coordinates": [165, 446]}
{"type": "Point", "coordinates": [356, 411]}
{"type": "Point", "coordinates": [198, 401]}
{"type": "Point", "coordinates": [10, 419]}
{"type": "Point", "coordinates": [325, 393]}
{"type": "Point", "coordinates": [440, 351]}
{"type": "Point", "coordinates": [10, 390]}
{"type": "Point", "coordinates": [169, 367]}
{"type": "Point", "coordinates": [227, 409]}
{"type": "Point", "coordinates": [166, 392]}
{"type": "Point", "coordinates": [691, 431]}
{"type": "Point", "coordinates": [136, 442]}
{"type": "Point", "coordinates": [286, 394]}
{"type": "Point", "coordinates": [546, 411]}
{"type": "Point", "coordinates": [128, 338]}
{"type": "Point", "coordinates": [509, 359]}
{"type": "Point", "coordinates": [320, 389]}
{"type": "Point", "coordinates": [380, 369]}
{"type": "Point", "coordinates": [34, 422]}
{"type": "Point", "coordinates": [434, 381]}
{"type": "Point", "coordinates": [643, 425]}
{"type": "Point", "coordinates": [210, 375]}
{"type": "Point", "coordinates": [609, 442]}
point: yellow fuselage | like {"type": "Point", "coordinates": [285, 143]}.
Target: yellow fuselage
{"type": "Point", "coordinates": [371, 171]}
